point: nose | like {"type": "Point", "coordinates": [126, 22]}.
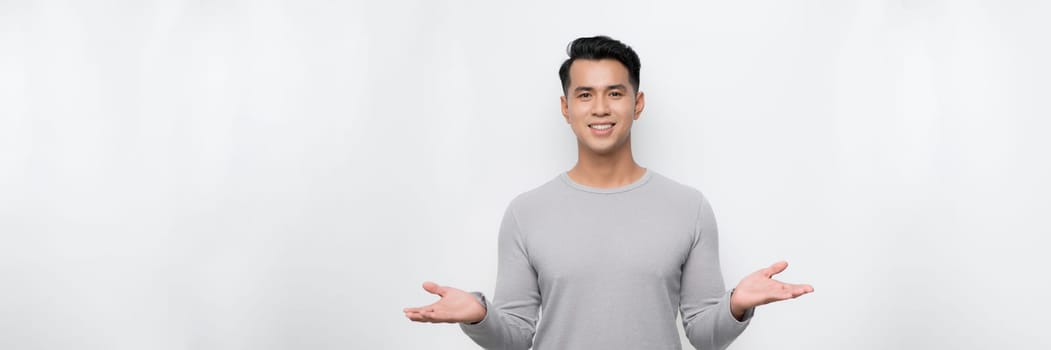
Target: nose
{"type": "Point", "coordinates": [600, 108]}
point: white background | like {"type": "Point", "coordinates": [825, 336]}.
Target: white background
{"type": "Point", "coordinates": [284, 175]}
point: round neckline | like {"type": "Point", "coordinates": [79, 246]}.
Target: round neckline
{"type": "Point", "coordinates": [636, 184]}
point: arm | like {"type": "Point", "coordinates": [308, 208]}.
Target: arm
{"type": "Point", "coordinates": [704, 301]}
{"type": "Point", "coordinates": [713, 318]}
{"type": "Point", "coordinates": [510, 320]}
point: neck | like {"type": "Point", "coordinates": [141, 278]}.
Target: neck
{"type": "Point", "coordinates": [615, 169]}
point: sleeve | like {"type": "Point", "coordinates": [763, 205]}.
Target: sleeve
{"type": "Point", "coordinates": [704, 302]}
{"type": "Point", "coordinates": [511, 318]}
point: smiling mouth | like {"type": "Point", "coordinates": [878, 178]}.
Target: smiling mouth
{"type": "Point", "coordinates": [601, 126]}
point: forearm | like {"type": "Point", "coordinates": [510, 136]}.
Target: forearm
{"type": "Point", "coordinates": [714, 326]}
{"type": "Point", "coordinates": [499, 329]}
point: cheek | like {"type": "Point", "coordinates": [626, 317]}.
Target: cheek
{"type": "Point", "coordinates": [578, 113]}
{"type": "Point", "coordinates": [627, 108]}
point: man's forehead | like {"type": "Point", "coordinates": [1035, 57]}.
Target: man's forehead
{"type": "Point", "coordinates": [607, 87]}
{"type": "Point", "coordinates": [595, 73]}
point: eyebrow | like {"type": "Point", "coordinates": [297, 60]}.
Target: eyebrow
{"type": "Point", "coordinates": [608, 87]}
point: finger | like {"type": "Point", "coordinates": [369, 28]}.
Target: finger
{"type": "Point", "coordinates": [776, 268]}
{"type": "Point", "coordinates": [785, 291]}
{"type": "Point", "coordinates": [418, 316]}
{"type": "Point", "coordinates": [796, 290]}
{"type": "Point", "coordinates": [415, 316]}
{"type": "Point", "coordinates": [421, 308]}
{"type": "Point", "coordinates": [434, 288]}
{"type": "Point", "coordinates": [801, 287]}
{"type": "Point", "coordinates": [806, 288]}
{"type": "Point", "coordinates": [437, 315]}
{"type": "Point", "coordinates": [432, 316]}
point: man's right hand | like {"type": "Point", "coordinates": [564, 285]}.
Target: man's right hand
{"type": "Point", "coordinates": [455, 306]}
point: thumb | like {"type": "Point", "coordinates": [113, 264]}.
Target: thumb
{"type": "Point", "coordinates": [776, 268]}
{"type": "Point", "coordinates": [434, 288]}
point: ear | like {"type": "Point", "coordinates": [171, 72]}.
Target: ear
{"type": "Point", "coordinates": [640, 104]}
{"type": "Point", "coordinates": [565, 108]}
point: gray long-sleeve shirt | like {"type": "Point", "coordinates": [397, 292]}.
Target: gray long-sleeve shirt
{"type": "Point", "coordinates": [607, 268]}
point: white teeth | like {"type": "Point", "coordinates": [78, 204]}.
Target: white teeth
{"type": "Point", "coordinates": [601, 126]}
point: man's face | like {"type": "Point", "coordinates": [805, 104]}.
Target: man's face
{"type": "Point", "coordinates": [600, 104]}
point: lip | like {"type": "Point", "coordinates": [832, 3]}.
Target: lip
{"type": "Point", "coordinates": [598, 132]}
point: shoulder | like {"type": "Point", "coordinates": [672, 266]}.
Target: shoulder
{"type": "Point", "coordinates": [676, 191]}
{"type": "Point", "coordinates": [539, 196]}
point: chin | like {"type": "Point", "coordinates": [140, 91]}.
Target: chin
{"type": "Point", "coordinates": [601, 149]}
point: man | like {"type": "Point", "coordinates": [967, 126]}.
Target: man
{"type": "Point", "coordinates": [608, 250]}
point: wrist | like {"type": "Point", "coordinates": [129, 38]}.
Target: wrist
{"type": "Point", "coordinates": [485, 307]}
{"type": "Point", "coordinates": [737, 308]}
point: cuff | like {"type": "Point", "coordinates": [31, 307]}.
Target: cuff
{"type": "Point", "coordinates": [471, 328]}
{"type": "Point", "coordinates": [485, 304]}
{"type": "Point", "coordinates": [748, 313]}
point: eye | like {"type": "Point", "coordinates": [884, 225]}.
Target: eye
{"type": "Point", "coordinates": [584, 95]}
{"type": "Point", "coordinates": [616, 94]}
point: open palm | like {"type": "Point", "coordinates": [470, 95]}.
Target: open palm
{"type": "Point", "coordinates": [455, 306]}
{"type": "Point", "coordinates": [759, 288]}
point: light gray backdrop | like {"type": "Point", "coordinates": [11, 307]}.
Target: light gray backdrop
{"type": "Point", "coordinates": [284, 175]}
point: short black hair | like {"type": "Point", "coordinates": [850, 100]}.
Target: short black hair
{"type": "Point", "coordinates": [596, 48]}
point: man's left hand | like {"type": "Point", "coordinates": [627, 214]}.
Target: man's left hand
{"type": "Point", "coordinates": [759, 288]}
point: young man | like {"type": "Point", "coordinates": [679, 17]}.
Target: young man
{"type": "Point", "coordinates": [609, 250]}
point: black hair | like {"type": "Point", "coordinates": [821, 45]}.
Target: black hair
{"type": "Point", "coordinates": [600, 47]}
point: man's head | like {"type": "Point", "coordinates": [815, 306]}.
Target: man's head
{"type": "Point", "coordinates": [601, 98]}
{"type": "Point", "coordinates": [596, 48]}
